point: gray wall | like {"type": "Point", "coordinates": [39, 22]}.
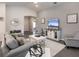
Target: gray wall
{"type": "Point", "coordinates": [61, 12]}
{"type": "Point", "coordinates": [17, 11]}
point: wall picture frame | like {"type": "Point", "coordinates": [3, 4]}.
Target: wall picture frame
{"type": "Point", "coordinates": [15, 21]}
{"type": "Point", "coordinates": [72, 18]}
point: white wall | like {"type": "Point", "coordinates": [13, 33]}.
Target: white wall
{"type": "Point", "coordinates": [2, 22]}
{"type": "Point", "coordinates": [18, 12]}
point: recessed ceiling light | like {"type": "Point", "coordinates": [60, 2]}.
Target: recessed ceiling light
{"type": "Point", "coordinates": [36, 5]}
{"type": "Point", "coordinates": [35, 2]}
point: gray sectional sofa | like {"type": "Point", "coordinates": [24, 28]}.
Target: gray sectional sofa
{"type": "Point", "coordinates": [72, 40]}
{"type": "Point", "coordinates": [20, 51]}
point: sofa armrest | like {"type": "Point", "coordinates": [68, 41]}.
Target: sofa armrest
{"type": "Point", "coordinates": [4, 48]}
{"type": "Point", "coordinates": [19, 50]}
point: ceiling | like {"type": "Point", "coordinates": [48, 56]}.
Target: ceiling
{"type": "Point", "coordinates": [42, 5]}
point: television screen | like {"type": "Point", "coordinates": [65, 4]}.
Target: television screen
{"type": "Point", "coordinates": [53, 23]}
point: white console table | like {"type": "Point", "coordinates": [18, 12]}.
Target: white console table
{"type": "Point", "coordinates": [54, 35]}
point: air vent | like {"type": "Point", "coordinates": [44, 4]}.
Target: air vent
{"type": "Point", "coordinates": [54, 2]}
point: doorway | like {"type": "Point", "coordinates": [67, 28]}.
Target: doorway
{"type": "Point", "coordinates": [33, 26]}
{"type": "Point", "coordinates": [29, 25]}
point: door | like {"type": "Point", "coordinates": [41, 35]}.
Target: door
{"type": "Point", "coordinates": [29, 24]}
{"type": "Point", "coordinates": [26, 23]}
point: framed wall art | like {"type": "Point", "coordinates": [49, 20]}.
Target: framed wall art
{"type": "Point", "coordinates": [72, 18]}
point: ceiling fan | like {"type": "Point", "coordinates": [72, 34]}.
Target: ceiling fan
{"type": "Point", "coordinates": [54, 2]}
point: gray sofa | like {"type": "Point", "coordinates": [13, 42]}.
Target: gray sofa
{"type": "Point", "coordinates": [21, 51]}
{"type": "Point", "coordinates": [72, 40]}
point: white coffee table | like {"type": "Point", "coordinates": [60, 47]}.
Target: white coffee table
{"type": "Point", "coordinates": [37, 40]}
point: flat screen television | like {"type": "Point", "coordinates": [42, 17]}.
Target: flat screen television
{"type": "Point", "coordinates": [53, 22]}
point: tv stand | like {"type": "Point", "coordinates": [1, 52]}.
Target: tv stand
{"type": "Point", "coordinates": [53, 34]}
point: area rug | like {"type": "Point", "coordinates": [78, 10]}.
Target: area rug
{"type": "Point", "coordinates": [51, 48]}
{"type": "Point", "coordinates": [55, 47]}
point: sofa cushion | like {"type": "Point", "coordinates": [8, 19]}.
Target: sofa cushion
{"type": "Point", "coordinates": [77, 36]}
{"type": "Point", "coordinates": [11, 42]}
{"type": "Point", "coordinates": [20, 40]}
{"type": "Point", "coordinates": [20, 49]}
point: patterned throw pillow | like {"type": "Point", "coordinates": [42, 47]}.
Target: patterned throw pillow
{"type": "Point", "coordinates": [11, 42]}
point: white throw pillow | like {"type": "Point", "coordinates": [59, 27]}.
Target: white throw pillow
{"type": "Point", "coordinates": [11, 42]}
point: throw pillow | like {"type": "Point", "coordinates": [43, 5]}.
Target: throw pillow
{"type": "Point", "coordinates": [11, 42]}
{"type": "Point", "coordinates": [20, 40]}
